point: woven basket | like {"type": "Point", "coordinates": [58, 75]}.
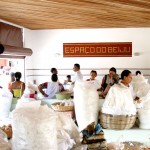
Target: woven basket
{"type": "Point", "coordinates": [58, 107]}
{"type": "Point", "coordinates": [118, 122]}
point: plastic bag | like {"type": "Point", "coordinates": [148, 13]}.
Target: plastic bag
{"type": "Point", "coordinates": [86, 101]}
{"type": "Point", "coordinates": [64, 140]}
{"type": "Point", "coordinates": [118, 100]}
{"type": "Point", "coordinates": [67, 127]}
{"type": "Point", "coordinates": [144, 118]}
{"type": "Point", "coordinates": [34, 128]}
{"type": "Point", "coordinates": [5, 103]}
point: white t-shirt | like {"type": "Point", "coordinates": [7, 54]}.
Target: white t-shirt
{"type": "Point", "coordinates": [52, 89]}
{"type": "Point", "coordinates": [77, 76]}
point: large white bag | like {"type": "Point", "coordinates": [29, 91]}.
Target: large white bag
{"type": "Point", "coordinates": [34, 128]}
{"type": "Point", "coordinates": [144, 118]}
{"type": "Point", "coordinates": [86, 100]}
{"type": "Point", "coordinates": [5, 103]}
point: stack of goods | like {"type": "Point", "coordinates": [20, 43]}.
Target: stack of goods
{"type": "Point", "coordinates": [66, 106]}
{"type": "Point", "coordinates": [144, 112]}
{"type": "Point", "coordinates": [34, 127]}
{"type": "Point", "coordinates": [37, 127]}
{"type": "Point", "coordinates": [140, 85]}
{"type": "Point", "coordinates": [93, 136]}
{"type": "Point", "coordinates": [116, 113]}
{"type": "Point", "coordinates": [8, 130]}
{"type": "Point", "coordinates": [142, 91]}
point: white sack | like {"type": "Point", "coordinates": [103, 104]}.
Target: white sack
{"type": "Point", "coordinates": [86, 101]}
{"type": "Point", "coordinates": [144, 112]}
{"type": "Point", "coordinates": [5, 103]}
{"type": "Point", "coordinates": [27, 102]}
{"type": "Point", "coordinates": [67, 132]}
{"type": "Point", "coordinates": [68, 135]}
{"type": "Point", "coordinates": [34, 128]}
{"type": "Point", "coordinates": [140, 85]}
{"type": "Point", "coordinates": [64, 141]}
{"type": "Point", "coordinates": [119, 101]}
{"type": "Point", "coordinates": [144, 118]}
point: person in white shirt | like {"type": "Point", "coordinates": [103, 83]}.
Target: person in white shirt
{"type": "Point", "coordinates": [78, 75]}
{"type": "Point", "coordinates": [119, 99]}
{"type": "Point", "coordinates": [51, 87]}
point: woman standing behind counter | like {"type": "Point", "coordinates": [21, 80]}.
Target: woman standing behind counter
{"type": "Point", "coordinates": [17, 87]}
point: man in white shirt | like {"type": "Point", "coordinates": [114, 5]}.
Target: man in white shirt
{"type": "Point", "coordinates": [78, 75]}
{"type": "Point", "coordinates": [51, 87]}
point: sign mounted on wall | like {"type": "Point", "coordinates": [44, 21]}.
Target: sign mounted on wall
{"type": "Point", "coordinates": [108, 49]}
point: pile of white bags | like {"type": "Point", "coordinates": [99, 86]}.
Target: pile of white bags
{"type": "Point", "coordinates": [86, 101]}
{"type": "Point", "coordinates": [67, 132]}
{"type": "Point", "coordinates": [119, 101]}
{"type": "Point", "coordinates": [144, 112]}
{"type": "Point", "coordinates": [140, 85]}
{"type": "Point", "coordinates": [5, 103]}
{"type": "Point", "coordinates": [38, 127]}
{"type": "Point", "coordinates": [142, 90]}
{"type": "Point", "coordinates": [34, 127]}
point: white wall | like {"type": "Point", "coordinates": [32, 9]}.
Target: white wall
{"type": "Point", "coordinates": [46, 43]}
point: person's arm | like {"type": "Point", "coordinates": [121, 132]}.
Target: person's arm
{"type": "Point", "coordinates": [41, 87]}
{"type": "Point", "coordinates": [23, 87]}
{"type": "Point", "coordinates": [11, 88]}
{"type": "Point", "coordinates": [103, 85]}
{"type": "Point", "coordinates": [103, 80]}
{"type": "Point", "coordinates": [106, 90]}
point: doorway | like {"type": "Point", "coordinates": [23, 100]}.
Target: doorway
{"type": "Point", "coordinates": [9, 65]}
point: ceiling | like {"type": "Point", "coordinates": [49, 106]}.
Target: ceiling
{"type": "Point", "coordinates": [70, 14]}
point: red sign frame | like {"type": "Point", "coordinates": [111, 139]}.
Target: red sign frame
{"type": "Point", "coordinates": [109, 49]}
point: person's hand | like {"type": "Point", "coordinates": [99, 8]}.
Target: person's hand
{"type": "Point", "coordinates": [45, 95]}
